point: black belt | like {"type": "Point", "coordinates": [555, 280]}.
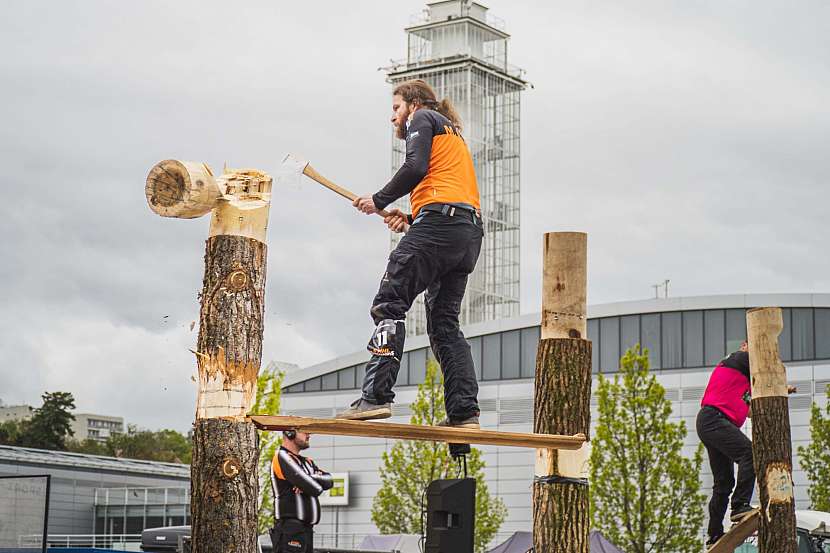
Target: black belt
{"type": "Point", "coordinates": [450, 210]}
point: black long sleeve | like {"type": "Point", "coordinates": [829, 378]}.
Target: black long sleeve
{"type": "Point", "coordinates": [322, 477]}
{"type": "Point", "coordinates": [418, 151]}
{"type": "Point", "coordinates": [738, 361]}
{"type": "Point", "coordinates": [294, 473]}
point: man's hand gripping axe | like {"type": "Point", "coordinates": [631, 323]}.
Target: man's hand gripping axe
{"type": "Point", "coordinates": [293, 164]}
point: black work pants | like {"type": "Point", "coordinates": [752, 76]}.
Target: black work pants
{"type": "Point", "coordinates": [436, 256]}
{"type": "Point", "coordinates": [726, 446]}
{"type": "Point", "coordinates": [290, 535]}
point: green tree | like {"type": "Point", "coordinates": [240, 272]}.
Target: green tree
{"type": "Point", "coordinates": [9, 432]}
{"type": "Point", "coordinates": [410, 466]}
{"type": "Point", "coordinates": [168, 446]}
{"type": "Point", "coordinates": [267, 402]}
{"type": "Point", "coordinates": [88, 446]}
{"type": "Point", "coordinates": [815, 458]}
{"type": "Point", "coordinates": [51, 423]}
{"type": "Point", "coordinates": [645, 496]}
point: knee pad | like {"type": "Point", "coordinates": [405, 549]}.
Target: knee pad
{"type": "Point", "coordinates": [387, 339]}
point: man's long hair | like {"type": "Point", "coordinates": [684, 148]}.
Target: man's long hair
{"type": "Point", "coordinates": [419, 92]}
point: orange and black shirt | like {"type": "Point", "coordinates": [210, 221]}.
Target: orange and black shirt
{"type": "Point", "coordinates": [438, 167]}
{"type": "Point", "coordinates": [296, 482]}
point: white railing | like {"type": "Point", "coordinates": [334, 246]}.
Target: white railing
{"type": "Point", "coordinates": [340, 541]}
{"type": "Point", "coordinates": [123, 542]}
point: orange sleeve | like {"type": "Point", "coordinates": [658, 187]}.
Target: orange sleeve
{"type": "Point", "coordinates": [275, 466]}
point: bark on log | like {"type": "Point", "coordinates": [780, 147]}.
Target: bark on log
{"type": "Point", "coordinates": [562, 398]}
{"type": "Point", "coordinates": [224, 487]}
{"type": "Point", "coordinates": [771, 439]}
{"type": "Point", "coordinates": [224, 469]}
{"type": "Point", "coordinates": [562, 404]}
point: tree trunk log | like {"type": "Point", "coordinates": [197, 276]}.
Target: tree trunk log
{"type": "Point", "coordinates": [224, 488]}
{"type": "Point", "coordinates": [224, 470]}
{"type": "Point", "coordinates": [771, 439]}
{"type": "Point", "coordinates": [772, 451]}
{"type": "Point", "coordinates": [562, 406]}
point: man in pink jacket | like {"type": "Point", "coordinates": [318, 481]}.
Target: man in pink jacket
{"type": "Point", "coordinates": [724, 409]}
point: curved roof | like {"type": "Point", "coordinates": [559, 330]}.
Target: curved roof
{"type": "Point", "coordinates": [656, 305]}
{"type": "Point", "coordinates": [30, 456]}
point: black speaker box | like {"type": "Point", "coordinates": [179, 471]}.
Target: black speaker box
{"type": "Point", "coordinates": [451, 514]}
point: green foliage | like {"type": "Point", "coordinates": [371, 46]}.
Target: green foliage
{"type": "Point", "coordinates": [815, 457]}
{"type": "Point", "coordinates": [267, 402]}
{"type": "Point", "coordinates": [9, 432]}
{"type": "Point", "coordinates": [51, 423]}
{"type": "Point", "coordinates": [88, 446]}
{"type": "Point", "coordinates": [644, 496]}
{"type": "Point", "coordinates": [167, 446]}
{"type": "Point", "coordinates": [163, 445]}
{"type": "Point", "coordinates": [410, 466]}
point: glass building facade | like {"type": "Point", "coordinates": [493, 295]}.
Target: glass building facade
{"type": "Point", "coordinates": [131, 510]}
{"type": "Point", "coordinates": [675, 340]}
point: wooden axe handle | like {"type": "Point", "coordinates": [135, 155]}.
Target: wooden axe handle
{"type": "Point", "coordinates": [311, 173]}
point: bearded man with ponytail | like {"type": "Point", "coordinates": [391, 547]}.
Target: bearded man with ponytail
{"type": "Point", "coordinates": [436, 255]}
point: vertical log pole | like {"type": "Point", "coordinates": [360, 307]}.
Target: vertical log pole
{"type": "Point", "coordinates": [562, 397]}
{"type": "Point", "coordinates": [771, 440]}
{"type": "Point", "coordinates": [224, 484]}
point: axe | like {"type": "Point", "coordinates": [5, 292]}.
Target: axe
{"type": "Point", "coordinates": [296, 165]}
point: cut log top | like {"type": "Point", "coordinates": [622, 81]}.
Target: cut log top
{"type": "Point", "coordinates": [374, 429]}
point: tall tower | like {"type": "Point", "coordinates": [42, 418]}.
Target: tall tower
{"type": "Point", "coordinates": [462, 53]}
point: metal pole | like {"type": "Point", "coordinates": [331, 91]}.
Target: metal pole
{"type": "Point", "coordinates": [46, 514]}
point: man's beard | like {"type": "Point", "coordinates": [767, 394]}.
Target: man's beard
{"type": "Point", "coordinates": [400, 130]}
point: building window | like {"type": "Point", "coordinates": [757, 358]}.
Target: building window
{"type": "Point", "coordinates": [693, 338]}
{"type": "Point", "coordinates": [313, 385]}
{"type": "Point", "coordinates": [650, 329]}
{"type": "Point", "coordinates": [629, 332]}
{"type": "Point", "coordinates": [330, 381]}
{"type": "Point", "coordinates": [609, 337]}
{"type": "Point", "coordinates": [417, 366]}
{"type": "Point", "coordinates": [822, 333]}
{"type": "Point", "coordinates": [345, 379]}
{"type": "Point", "coordinates": [530, 345]}
{"type": "Point", "coordinates": [593, 335]}
{"type": "Point", "coordinates": [713, 333]}
{"type": "Point", "coordinates": [785, 339]}
{"type": "Point", "coordinates": [735, 329]}
{"type": "Point", "coordinates": [672, 340]}
{"type": "Point", "coordinates": [403, 373]}
{"type": "Point", "coordinates": [491, 357]}
{"type": "Point", "coordinates": [475, 351]}
{"type": "Point", "coordinates": [296, 388]}
{"type": "Point", "coordinates": [510, 355]}
{"type": "Point", "coordinates": [803, 338]}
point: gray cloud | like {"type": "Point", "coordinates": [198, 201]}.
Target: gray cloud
{"type": "Point", "coordinates": [687, 139]}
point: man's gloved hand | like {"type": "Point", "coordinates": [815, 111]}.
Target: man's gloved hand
{"type": "Point", "coordinates": [396, 220]}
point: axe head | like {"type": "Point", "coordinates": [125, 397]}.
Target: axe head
{"type": "Point", "coordinates": [290, 170]}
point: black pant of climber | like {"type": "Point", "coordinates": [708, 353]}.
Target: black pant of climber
{"type": "Point", "coordinates": [726, 446]}
{"type": "Point", "coordinates": [436, 255]}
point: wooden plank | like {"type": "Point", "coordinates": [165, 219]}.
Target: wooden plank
{"type": "Point", "coordinates": [738, 533]}
{"type": "Point", "coordinates": [373, 429]}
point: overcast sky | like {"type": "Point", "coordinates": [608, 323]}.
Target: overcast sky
{"type": "Point", "coordinates": [689, 139]}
